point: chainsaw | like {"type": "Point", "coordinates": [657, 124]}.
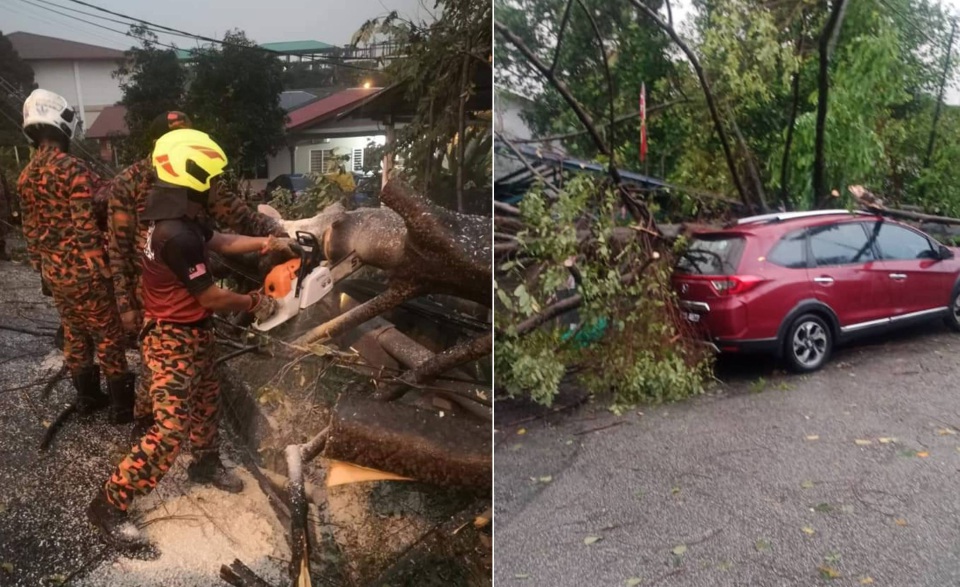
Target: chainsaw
{"type": "Point", "coordinates": [300, 283]}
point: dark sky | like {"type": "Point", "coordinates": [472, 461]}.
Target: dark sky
{"type": "Point", "coordinates": [330, 21]}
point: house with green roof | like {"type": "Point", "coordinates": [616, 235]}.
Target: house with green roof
{"type": "Point", "coordinates": [289, 50]}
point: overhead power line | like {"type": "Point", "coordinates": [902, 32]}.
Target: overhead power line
{"type": "Point", "coordinates": [15, 7]}
{"type": "Point", "coordinates": [170, 30]}
{"type": "Point", "coordinates": [74, 17]}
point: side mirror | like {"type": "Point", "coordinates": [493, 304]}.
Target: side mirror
{"type": "Point", "coordinates": [945, 253]}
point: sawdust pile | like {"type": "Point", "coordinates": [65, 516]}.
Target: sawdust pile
{"type": "Point", "coordinates": [198, 529]}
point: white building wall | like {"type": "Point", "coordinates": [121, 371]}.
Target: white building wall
{"type": "Point", "coordinates": [98, 87]}
{"type": "Point", "coordinates": [507, 122]}
{"type": "Point", "coordinates": [280, 163]}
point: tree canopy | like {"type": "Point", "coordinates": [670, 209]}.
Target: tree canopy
{"type": "Point", "coordinates": [16, 79]}
{"type": "Point", "coordinates": [234, 95]}
{"type": "Point", "coordinates": [153, 82]}
{"type": "Point", "coordinates": [231, 91]}
{"type": "Point", "coordinates": [884, 73]}
{"type": "Point", "coordinates": [446, 150]}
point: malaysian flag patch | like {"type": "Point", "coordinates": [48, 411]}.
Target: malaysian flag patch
{"type": "Point", "coordinates": [197, 271]}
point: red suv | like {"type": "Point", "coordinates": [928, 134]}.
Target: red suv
{"type": "Point", "coordinates": [796, 284]}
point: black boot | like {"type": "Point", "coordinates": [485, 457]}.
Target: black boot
{"type": "Point", "coordinates": [114, 525]}
{"type": "Point", "coordinates": [207, 468]}
{"type": "Point", "coordinates": [121, 398]}
{"type": "Point", "coordinates": [90, 397]}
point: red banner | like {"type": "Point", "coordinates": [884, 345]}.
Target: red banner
{"type": "Point", "coordinates": [643, 122]}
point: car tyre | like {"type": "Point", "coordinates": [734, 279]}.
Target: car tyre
{"type": "Point", "coordinates": [808, 344]}
{"type": "Point", "coordinates": [952, 318]}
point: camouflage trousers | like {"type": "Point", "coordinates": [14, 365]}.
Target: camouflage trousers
{"type": "Point", "coordinates": [143, 404]}
{"type": "Point", "coordinates": [186, 404]}
{"type": "Point", "coordinates": [91, 325]}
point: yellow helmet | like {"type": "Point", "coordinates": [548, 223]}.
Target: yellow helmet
{"type": "Point", "coordinates": [188, 158]}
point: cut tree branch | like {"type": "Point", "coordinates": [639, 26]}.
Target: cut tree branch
{"type": "Point", "coordinates": [549, 313]}
{"type": "Point", "coordinates": [513, 148]}
{"type": "Point", "coordinates": [610, 89]}
{"type": "Point", "coordinates": [563, 30]}
{"type": "Point", "coordinates": [389, 299]}
{"type": "Point", "coordinates": [748, 162]}
{"type": "Point", "coordinates": [561, 87]}
{"type": "Point", "coordinates": [506, 208]}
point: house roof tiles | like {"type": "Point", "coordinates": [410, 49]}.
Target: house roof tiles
{"type": "Point", "coordinates": [111, 122]}
{"type": "Point", "coordinates": [327, 108]}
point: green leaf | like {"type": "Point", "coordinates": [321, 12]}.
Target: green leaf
{"type": "Point", "coordinates": [807, 484]}
{"type": "Point", "coordinates": [680, 549]}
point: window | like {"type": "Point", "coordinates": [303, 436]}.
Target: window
{"type": "Point", "coordinates": [322, 161]}
{"type": "Point", "coordinates": [897, 242]}
{"type": "Point", "coordinates": [718, 255]}
{"type": "Point", "coordinates": [841, 244]}
{"type": "Point", "coordinates": [357, 159]}
{"type": "Point", "coordinates": [791, 251]}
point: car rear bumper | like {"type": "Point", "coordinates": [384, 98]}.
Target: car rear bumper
{"type": "Point", "coordinates": [766, 346]}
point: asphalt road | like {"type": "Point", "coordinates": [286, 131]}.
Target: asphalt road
{"type": "Point", "coordinates": [845, 477]}
{"type": "Point", "coordinates": [45, 538]}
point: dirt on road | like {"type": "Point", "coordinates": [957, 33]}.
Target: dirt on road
{"type": "Point", "coordinates": [845, 477]}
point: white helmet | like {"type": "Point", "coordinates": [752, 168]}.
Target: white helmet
{"type": "Point", "coordinates": [45, 107]}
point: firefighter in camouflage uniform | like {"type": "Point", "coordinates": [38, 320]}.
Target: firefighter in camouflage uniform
{"type": "Point", "coordinates": [179, 297]}
{"type": "Point", "coordinates": [65, 245]}
{"type": "Point", "coordinates": [127, 198]}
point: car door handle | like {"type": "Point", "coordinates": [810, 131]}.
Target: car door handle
{"type": "Point", "coordinates": [823, 280]}
{"type": "Point", "coordinates": [898, 276]}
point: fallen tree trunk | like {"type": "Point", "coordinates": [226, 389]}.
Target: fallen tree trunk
{"type": "Point", "coordinates": [873, 203]}
{"type": "Point", "coordinates": [412, 443]}
{"type": "Point", "coordinates": [424, 249]}
{"type": "Point", "coordinates": [240, 575]}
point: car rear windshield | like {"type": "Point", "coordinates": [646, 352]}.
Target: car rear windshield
{"type": "Point", "coordinates": [712, 255]}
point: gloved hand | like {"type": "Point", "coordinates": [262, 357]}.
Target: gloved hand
{"type": "Point", "coordinates": [262, 306]}
{"type": "Point", "coordinates": [287, 248]}
{"type": "Point", "coordinates": [45, 288]}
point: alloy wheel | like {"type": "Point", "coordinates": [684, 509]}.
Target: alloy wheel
{"type": "Point", "coordinates": [810, 344]}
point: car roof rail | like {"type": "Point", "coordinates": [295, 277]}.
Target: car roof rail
{"type": "Point", "coordinates": [781, 216]}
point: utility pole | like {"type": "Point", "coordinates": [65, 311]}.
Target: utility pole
{"type": "Point", "coordinates": [943, 84]}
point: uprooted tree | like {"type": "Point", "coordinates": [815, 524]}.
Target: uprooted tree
{"type": "Point", "coordinates": [577, 291]}
{"type": "Point", "coordinates": [421, 249]}
{"type": "Point", "coordinates": [799, 89]}
{"type": "Point", "coordinates": [742, 110]}
{"type": "Point", "coordinates": [424, 249]}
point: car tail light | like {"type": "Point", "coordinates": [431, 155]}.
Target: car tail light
{"type": "Point", "coordinates": [734, 284]}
